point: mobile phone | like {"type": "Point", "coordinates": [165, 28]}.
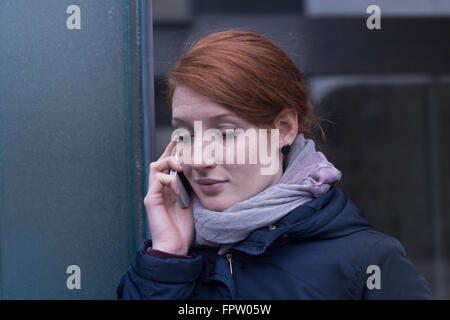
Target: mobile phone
{"type": "Point", "coordinates": [184, 198]}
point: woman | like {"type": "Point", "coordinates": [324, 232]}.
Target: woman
{"type": "Point", "coordinates": [287, 234]}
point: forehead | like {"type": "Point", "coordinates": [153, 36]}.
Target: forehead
{"type": "Point", "coordinates": [188, 105]}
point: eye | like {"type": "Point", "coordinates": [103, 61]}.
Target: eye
{"type": "Point", "coordinates": [229, 133]}
{"type": "Point", "coordinates": [184, 138]}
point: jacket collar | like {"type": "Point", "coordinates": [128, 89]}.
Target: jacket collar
{"type": "Point", "coordinates": [328, 216]}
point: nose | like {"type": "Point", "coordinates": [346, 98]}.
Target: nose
{"type": "Point", "coordinates": [202, 154]}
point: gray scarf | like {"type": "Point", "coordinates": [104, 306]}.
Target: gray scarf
{"type": "Point", "coordinates": [307, 176]}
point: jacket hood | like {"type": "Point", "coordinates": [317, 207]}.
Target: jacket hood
{"type": "Point", "coordinates": [331, 215]}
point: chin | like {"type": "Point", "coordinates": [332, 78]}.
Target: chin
{"type": "Point", "coordinates": [215, 205]}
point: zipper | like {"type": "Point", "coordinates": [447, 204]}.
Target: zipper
{"type": "Point", "coordinates": [229, 257]}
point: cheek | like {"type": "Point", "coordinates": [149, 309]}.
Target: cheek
{"type": "Point", "coordinates": [243, 176]}
{"type": "Point", "coordinates": [187, 170]}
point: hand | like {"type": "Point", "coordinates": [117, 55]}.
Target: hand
{"type": "Point", "coordinates": [171, 227]}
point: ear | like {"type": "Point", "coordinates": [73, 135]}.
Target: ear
{"type": "Point", "coordinates": [287, 124]}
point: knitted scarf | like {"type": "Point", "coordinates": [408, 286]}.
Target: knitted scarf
{"type": "Point", "coordinates": [307, 176]}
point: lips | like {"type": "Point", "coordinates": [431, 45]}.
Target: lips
{"type": "Point", "coordinates": [209, 186]}
{"type": "Point", "coordinates": [208, 181]}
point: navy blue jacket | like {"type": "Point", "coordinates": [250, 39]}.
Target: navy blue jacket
{"type": "Point", "coordinates": [324, 249]}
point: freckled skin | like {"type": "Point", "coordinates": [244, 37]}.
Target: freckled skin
{"type": "Point", "coordinates": [243, 180]}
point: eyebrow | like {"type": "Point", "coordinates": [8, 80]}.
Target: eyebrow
{"type": "Point", "coordinates": [176, 120]}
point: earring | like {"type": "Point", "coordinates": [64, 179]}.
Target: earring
{"type": "Point", "coordinates": [285, 149]}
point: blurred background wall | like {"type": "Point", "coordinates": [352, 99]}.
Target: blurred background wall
{"type": "Point", "coordinates": [388, 134]}
{"type": "Point", "coordinates": [72, 117]}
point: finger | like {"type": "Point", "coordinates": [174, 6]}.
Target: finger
{"type": "Point", "coordinates": [162, 180]}
{"type": "Point", "coordinates": [168, 151]}
{"type": "Point", "coordinates": [155, 203]}
{"type": "Point", "coordinates": [164, 165]}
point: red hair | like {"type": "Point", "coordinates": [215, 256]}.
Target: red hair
{"type": "Point", "coordinates": [247, 74]}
